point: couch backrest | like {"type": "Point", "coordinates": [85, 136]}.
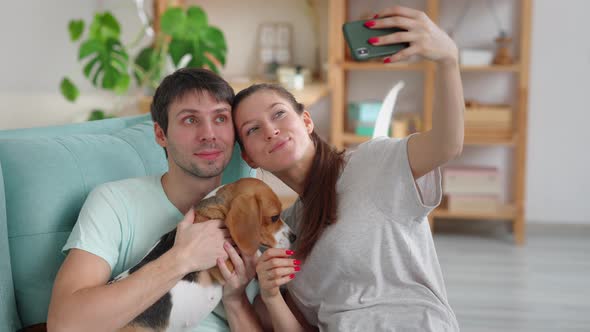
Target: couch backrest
{"type": "Point", "coordinates": [47, 174]}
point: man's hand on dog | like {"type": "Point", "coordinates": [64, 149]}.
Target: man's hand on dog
{"type": "Point", "coordinates": [198, 246]}
{"type": "Point", "coordinates": [236, 281]}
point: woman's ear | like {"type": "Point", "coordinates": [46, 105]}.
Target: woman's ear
{"type": "Point", "coordinates": [248, 160]}
{"type": "Point", "coordinates": [307, 121]}
{"type": "Point", "coordinates": [160, 136]}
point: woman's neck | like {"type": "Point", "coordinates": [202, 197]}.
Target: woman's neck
{"type": "Point", "coordinates": [295, 176]}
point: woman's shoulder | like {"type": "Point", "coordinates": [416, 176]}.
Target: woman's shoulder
{"type": "Point", "coordinates": [292, 214]}
{"type": "Point", "coordinates": [380, 147]}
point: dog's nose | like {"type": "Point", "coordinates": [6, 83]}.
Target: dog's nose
{"type": "Point", "coordinates": [292, 237]}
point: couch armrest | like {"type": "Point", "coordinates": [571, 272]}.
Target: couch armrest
{"type": "Point", "coordinates": [9, 320]}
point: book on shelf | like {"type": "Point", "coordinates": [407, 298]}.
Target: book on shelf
{"type": "Point", "coordinates": [478, 115]}
{"type": "Point", "coordinates": [472, 202]}
{"type": "Point", "coordinates": [471, 180]}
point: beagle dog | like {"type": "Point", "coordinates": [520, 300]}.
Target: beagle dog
{"type": "Point", "coordinates": [251, 211]}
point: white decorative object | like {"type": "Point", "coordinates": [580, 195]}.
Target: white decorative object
{"type": "Point", "coordinates": [386, 112]}
{"type": "Point", "coordinates": [475, 57]}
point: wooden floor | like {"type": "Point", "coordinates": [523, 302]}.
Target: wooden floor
{"type": "Point", "coordinates": [494, 285]}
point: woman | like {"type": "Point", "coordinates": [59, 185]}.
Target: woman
{"type": "Point", "coordinates": [364, 257]}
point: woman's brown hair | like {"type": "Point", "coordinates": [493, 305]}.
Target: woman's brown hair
{"type": "Point", "coordinates": [319, 194]}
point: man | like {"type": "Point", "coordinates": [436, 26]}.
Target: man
{"type": "Point", "coordinates": [120, 221]}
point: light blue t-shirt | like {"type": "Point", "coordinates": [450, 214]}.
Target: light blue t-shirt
{"type": "Point", "coordinates": [121, 221]}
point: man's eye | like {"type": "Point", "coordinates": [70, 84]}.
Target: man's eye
{"type": "Point", "coordinates": [190, 120]}
{"type": "Point", "coordinates": [275, 218]}
{"type": "Point", "coordinates": [220, 119]}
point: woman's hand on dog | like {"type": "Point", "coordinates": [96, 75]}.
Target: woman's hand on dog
{"type": "Point", "coordinates": [198, 246]}
{"type": "Point", "coordinates": [275, 268]}
{"type": "Point", "coordinates": [236, 281]}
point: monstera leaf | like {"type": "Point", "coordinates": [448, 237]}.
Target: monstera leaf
{"type": "Point", "coordinates": [69, 89]}
{"type": "Point", "coordinates": [107, 64]}
{"type": "Point", "coordinates": [106, 58]}
{"type": "Point", "coordinates": [149, 67]}
{"type": "Point", "coordinates": [76, 28]}
{"type": "Point", "coordinates": [191, 35]}
{"type": "Point", "coordinates": [103, 56]}
{"type": "Point", "coordinates": [186, 34]}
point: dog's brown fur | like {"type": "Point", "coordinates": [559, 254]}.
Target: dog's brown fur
{"type": "Point", "coordinates": [247, 206]}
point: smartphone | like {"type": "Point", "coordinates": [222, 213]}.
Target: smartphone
{"type": "Point", "coordinates": [357, 36]}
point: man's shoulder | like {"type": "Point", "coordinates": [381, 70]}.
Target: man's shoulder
{"type": "Point", "coordinates": [129, 185]}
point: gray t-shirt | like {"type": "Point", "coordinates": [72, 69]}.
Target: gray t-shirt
{"type": "Point", "coordinates": [376, 268]}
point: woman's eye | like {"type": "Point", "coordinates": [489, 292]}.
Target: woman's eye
{"type": "Point", "coordinates": [279, 114]}
{"type": "Point", "coordinates": [275, 218]}
{"type": "Point", "coordinates": [251, 131]}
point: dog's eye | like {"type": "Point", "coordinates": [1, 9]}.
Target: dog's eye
{"type": "Point", "coordinates": [275, 218]}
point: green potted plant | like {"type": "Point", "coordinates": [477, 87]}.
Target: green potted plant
{"type": "Point", "coordinates": [186, 40]}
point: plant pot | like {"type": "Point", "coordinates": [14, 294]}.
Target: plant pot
{"type": "Point", "coordinates": [144, 104]}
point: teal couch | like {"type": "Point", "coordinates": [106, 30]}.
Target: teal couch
{"type": "Point", "coordinates": [45, 176]}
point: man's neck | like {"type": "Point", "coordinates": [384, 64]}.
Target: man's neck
{"type": "Point", "coordinates": [185, 191]}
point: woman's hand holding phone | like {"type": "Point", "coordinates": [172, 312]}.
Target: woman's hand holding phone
{"type": "Point", "coordinates": [425, 38]}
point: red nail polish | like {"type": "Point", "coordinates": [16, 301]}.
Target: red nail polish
{"type": "Point", "coordinates": [291, 276]}
{"type": "Point", "coordinates": [369, 24]}
{"type": "Point", "coordinates": [289, 252]}
{"type": "Point", "coordinates": [387, 60]}
{"type": "Point", "coordinates": [296, 262]}
{"type": "Point", "coordinates": [297, 268]}
{"type": "Point", "coordinates": [373, 40]}
{"type": "Point", "coordinates": [376, 16]}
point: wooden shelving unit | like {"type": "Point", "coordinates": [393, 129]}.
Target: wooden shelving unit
{"type": "Point", "coordinates": [309, 95]}
{"type": "Point", "coordinates": [340, 66]}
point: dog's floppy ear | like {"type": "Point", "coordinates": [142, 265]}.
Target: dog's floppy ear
{"type": "Point", "coordinates": [243, 221]}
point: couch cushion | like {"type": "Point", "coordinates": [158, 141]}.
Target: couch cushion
{"type": "Point", "coordinates": [47, 180]}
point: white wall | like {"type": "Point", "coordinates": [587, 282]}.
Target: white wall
{"type": "Point", "coordinates": [37, 53]}
{"type": "Point", "coordinates": [558, 181]}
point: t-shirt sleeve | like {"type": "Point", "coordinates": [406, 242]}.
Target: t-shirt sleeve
{"type": "Point", "coordinates": [394, 183]}
{"type": "Point", "coordinates": [98, 228]}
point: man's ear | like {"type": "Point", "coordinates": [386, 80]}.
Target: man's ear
{"type": "Point", "coordinates": [248, 161]}
{"type": "Point", "coordinates": [307, 121]}
{"type": "Point", "coordinates": [160, 136]}
{"type": "Point", "coordinates": [243, 223]}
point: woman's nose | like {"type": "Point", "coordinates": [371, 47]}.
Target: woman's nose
{"type": "Point", "coordinates": [271, 132]}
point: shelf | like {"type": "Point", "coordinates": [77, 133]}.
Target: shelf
{"type": "Point", "coordinates": [374, 65]}
{"type": "Point", "coordinates": [492, 68]}
{"type": "Point", "coordinates": [352, 65]}
{"type": "Point", "coordinates": [508, 141]}
{"type": "Point", "coordinates": [492, 136]}
{"type": "Point", "coordinates": [350, 138]}
{"type": "Point", "coordinates": [505, 212]}
{"type": "Point", "coordinates": [309, 95]}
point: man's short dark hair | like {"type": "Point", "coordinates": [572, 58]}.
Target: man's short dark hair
{"type": "Point", "coordinates": [183, 81]}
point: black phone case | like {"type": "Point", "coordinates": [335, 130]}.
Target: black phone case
{"type": "Point", "coordinates": [357, 36]}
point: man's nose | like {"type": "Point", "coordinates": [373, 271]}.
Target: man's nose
{"type": "Point", "coordinates": [206, 132]}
